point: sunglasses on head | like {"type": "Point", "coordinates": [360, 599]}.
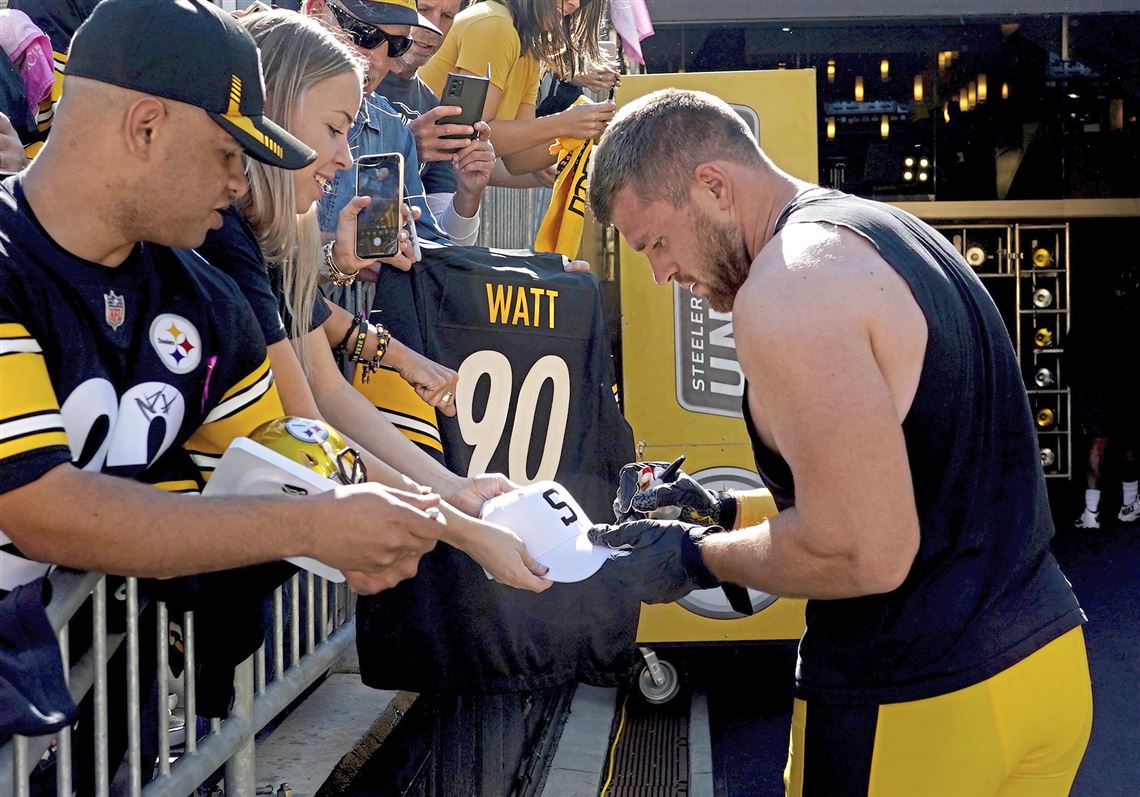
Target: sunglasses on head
{"type": "Point", "coordinates": [369, 36]}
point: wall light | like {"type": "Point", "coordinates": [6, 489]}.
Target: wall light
{"type": "Point", "coordinates": [858, 88]}
{"type": "Point", "coordinates": [983, 90]}
{"type": "Point", "coordinates": [885, 69]}
{"type": "Point", "coordinates": [963, 101]}
{"type": "Point", "coordinates": [1005, 91]}
{"type": "Point", "coordinates": [918, 88]}
{"type": "Point", "coordinates": [946, 112]}
{"type": "Point", "coordinates": [884, 126]}
{"type": "Point", "coordinates": [972, 94]}
{"type": "Point", "coordinates": [831, 128]}
{"type": "Point", "coordinates": [830, 70]}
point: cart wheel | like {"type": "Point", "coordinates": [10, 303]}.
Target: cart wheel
{"type": "Point", "coordinates": [658, 680]}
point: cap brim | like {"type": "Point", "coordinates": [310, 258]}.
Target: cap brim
{"type": "Point", "coordinates": [266, 141]}
{"type": "Point", "coordinates": [381, 13]}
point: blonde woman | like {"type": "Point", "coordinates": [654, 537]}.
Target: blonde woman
{"type": "Point", "coordinates": [313, 86]}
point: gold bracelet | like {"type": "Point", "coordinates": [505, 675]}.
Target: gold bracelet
{"type": "Point", "coordinates": [333, 272]}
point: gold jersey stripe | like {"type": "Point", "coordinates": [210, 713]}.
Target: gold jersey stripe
{"type": "Point", "coordinates": [389, 391]}
{"type": "Point", "coordinates": [421, 439]}
{"type": "Point", "coordinates": [254, 376]}
{"type": "Point", "coordinates": [12, 329]}
{"type": "Point", "coordinates": [25, 387]}
{"type": "Point", "coordinates": [32, 442]}
{"type": "Point", "coordinates": [178, 486]}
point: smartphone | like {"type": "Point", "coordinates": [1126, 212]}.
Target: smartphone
{"type": "Point", "coordinates": [469, 92]}
{"type": "Point", "coordinates": [378, 225]}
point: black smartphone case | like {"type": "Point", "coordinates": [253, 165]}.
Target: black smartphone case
{"type": "Point", "coordinates": [469, 92]}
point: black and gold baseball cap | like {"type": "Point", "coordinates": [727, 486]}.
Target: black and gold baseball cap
{"type": "Point", "coordinates": [192, 52]}
{"type": "Point", "coordinates": [388, 12]}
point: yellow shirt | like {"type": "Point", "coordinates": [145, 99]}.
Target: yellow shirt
{"type": "Point", "coordinates": [485, 34]}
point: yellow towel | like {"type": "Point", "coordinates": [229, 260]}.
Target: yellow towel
{"type": "Point", "coordinates": [561, 229]}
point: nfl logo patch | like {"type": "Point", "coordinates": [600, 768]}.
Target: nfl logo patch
{"type": "Point", "coordinates": [114, 310]}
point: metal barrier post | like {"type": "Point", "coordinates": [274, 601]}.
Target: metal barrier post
{"type": "Point", "coordinates": [99, 643]}
{"type": "Point", "coordinates": [63, 750]}
{"type": "Point", "coordinates": [162, 651]}
{"type": "Point", "coordinates": [134, 752]}
{"type": "Point", "coordinates": [240, 769]}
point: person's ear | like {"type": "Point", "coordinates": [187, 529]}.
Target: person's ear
{"type": "Point", "coordinates": [141, 125]}
{"type": "Point", "coordinates": [714, 183]}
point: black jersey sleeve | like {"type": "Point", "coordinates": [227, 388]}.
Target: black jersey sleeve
{"type": "Point", "coordinates": [234, 250]}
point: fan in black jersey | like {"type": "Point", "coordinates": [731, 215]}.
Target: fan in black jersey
{"type": "Point", "coordinates": [124, 355]}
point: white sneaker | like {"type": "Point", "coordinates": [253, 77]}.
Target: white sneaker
{"type": "Point", "coordinates": [1129, 512]}
{"type": "Point", "coordinates": [1088, 520]}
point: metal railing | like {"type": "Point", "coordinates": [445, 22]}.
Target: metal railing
{"type": "Point", "coordinates": [313, 642]}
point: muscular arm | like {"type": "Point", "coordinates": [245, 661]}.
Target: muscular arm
{"type": "Point", "coordinates": [828, 344]}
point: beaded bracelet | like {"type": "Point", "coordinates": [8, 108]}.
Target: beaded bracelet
{"type": "Point", "coordinates": [333, 272]}
{"type": "Point", "coordinates": [383, 338]}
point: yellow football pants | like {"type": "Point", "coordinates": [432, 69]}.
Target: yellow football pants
{"type": "Point", "coordinates": [1021, 733]}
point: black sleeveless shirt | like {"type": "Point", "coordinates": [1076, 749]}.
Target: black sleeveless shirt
{"type": "Point", "coordinates": [984, 590]}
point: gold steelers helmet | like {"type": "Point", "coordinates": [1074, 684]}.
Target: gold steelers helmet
{"type": "Point", "coordinates": [314, 444]}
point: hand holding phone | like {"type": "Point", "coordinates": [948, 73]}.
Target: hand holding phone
{"type": "Point", "coordinates": [381, 178]}
{"type": "Point", "coordinates": [468, 92]}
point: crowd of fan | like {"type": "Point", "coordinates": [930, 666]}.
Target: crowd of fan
{"type": "Point", "coordinates": [148, 137]}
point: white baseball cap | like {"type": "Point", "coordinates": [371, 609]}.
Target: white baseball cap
{"type": "Point", "coordinates": [548, 519]}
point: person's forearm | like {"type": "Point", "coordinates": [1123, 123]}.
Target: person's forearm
{"type": "Point", "coordinates": [504, 179]}
{"type": "Point", "coordinates": [114, 525]}
{"type": "Point", "coordinates": [511, 136]}
{"type": "Point", "coordinates": [529, 160]}
{"type": "Point", "coordinates": [466, 203]}
{"type": "Point", "coordinates": [772, 558]}
{"type": "Point", "coordinates": [352, 413]}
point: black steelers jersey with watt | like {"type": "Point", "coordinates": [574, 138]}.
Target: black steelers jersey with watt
{"type": "Point", "coordinates": [984, 590]}
{"type": "Point", "coordinates": [145, 371]}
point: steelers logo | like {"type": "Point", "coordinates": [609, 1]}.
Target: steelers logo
{"type": "Point", "coordinates": [177, 343]}
{"type": "Point", "coordinates": [307, 431]}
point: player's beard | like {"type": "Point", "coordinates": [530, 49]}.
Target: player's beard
{"type": "Point", "coordinates": [726, 265]}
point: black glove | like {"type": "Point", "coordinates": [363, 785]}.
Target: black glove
{"type": "Point", "coordinates": [697, 504]}
{"type": "Point", "coordinates": [665, 556]}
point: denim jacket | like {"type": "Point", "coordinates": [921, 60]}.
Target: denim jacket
{"type": "Point", "coordinates": [380, 128]}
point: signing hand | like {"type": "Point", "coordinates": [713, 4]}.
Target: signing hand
{"type": "Point", "coordinates": [664, 556]}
